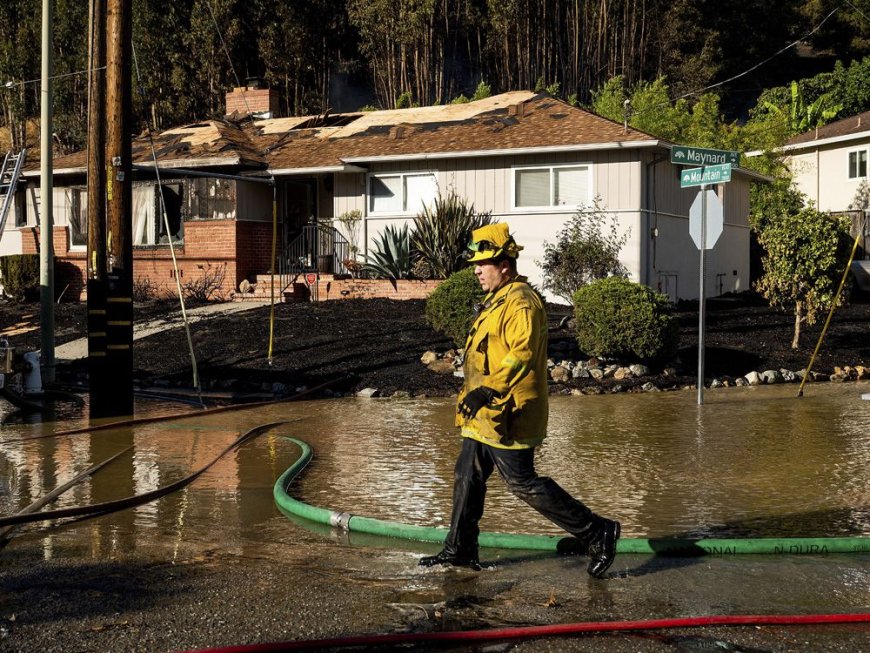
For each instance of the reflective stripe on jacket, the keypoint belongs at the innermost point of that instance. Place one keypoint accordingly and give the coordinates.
(506, 350)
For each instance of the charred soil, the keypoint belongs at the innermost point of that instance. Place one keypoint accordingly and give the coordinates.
(377, 343)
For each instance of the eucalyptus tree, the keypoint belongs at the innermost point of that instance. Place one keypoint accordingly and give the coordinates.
(18, 101)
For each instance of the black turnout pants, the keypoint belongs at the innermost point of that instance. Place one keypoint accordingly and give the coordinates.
(517, 467)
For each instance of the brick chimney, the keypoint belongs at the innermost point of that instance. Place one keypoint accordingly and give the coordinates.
(245, 100)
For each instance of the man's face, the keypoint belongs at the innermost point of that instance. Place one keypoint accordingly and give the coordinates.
(491, 275)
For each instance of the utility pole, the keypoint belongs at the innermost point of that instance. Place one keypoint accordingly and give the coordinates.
(46, 190)
(98, 371)
(119, 236)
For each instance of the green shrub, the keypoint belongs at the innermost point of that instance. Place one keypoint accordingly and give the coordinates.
(20, 276)
(617, 318)
(450, 308)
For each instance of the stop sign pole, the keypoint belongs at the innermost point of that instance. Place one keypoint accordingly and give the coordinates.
(715, 169)
(701, 293)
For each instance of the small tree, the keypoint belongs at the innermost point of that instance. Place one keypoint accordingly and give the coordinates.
(805, 253)
(584, 251)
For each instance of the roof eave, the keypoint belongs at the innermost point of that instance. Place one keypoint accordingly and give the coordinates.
(832, 140)
(284, 172)
(544, 149)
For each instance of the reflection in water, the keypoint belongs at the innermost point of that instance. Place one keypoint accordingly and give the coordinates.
(750, 462)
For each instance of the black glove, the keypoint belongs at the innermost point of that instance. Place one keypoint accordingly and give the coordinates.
(475, 400)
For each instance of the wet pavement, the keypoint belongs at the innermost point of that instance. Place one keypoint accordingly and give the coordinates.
(217, 564)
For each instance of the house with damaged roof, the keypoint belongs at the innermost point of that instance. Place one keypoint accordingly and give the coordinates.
(528, 158)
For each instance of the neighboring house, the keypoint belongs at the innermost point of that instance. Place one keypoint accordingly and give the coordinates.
(528, 158)
(830, 166)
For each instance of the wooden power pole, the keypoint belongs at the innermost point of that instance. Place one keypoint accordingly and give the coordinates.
(119, 251)
(98, 371)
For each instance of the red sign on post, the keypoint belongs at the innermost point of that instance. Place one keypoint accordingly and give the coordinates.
(311, 278)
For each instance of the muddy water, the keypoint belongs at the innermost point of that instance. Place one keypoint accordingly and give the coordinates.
(750, 462)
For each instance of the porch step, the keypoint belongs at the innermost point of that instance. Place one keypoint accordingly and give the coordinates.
(297, 291)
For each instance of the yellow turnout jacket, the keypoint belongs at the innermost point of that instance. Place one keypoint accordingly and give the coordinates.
(506, 350)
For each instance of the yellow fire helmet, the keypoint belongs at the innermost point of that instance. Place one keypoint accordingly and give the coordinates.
(491, 241)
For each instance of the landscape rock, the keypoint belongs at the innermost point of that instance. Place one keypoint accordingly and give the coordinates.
(622, 373)
(441, 366)
(428, 357)
(560, 375)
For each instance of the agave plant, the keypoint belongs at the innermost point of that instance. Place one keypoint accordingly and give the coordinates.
(391, 258)
(441, 234)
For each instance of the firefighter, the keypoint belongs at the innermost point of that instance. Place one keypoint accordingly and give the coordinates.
(502, 412)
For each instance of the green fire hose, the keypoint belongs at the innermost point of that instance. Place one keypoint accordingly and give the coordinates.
(659, 546)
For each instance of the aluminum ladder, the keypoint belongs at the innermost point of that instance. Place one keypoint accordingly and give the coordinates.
(10, 172)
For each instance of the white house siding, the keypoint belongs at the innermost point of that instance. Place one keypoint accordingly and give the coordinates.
(10, 243)
(668, 262)
(674, 259)
(822, 174)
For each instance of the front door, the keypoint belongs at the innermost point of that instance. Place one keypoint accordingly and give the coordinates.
(299, 201)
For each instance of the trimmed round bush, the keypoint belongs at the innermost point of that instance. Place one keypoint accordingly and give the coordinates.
(618, 318)
(450, 308)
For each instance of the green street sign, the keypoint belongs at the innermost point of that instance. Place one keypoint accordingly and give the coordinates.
(700, 156)
(706, 175)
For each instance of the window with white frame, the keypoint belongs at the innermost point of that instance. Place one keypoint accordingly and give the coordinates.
(402, 193)
(547, 187)
(858, 164)
(149, 226)
(77, 211)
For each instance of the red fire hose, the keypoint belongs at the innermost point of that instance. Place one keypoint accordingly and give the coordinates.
(527, 632)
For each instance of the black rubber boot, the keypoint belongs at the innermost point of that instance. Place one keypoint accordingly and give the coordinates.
(450, 560)
(602, 550)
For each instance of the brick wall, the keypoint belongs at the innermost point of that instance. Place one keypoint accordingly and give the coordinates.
(254, 249)
(370, 288)
(209, 252)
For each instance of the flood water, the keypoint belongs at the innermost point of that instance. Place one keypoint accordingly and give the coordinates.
(750, 462)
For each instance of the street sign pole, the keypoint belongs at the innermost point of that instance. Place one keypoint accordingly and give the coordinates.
(701, 294)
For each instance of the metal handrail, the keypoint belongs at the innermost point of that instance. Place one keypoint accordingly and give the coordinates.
(317, 248)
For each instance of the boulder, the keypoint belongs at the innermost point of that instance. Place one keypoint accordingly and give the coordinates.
(639, 370)
(753, 378)
(368, 393)
(771, 376)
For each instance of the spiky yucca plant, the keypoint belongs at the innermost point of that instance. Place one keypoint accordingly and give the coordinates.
(391, 257)
(441, 234)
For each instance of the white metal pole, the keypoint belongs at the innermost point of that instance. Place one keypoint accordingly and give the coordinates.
(46, 224)
(701, 294)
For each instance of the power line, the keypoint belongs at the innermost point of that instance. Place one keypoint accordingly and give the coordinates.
(11, 84)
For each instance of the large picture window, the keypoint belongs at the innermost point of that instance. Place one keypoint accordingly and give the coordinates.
(858, 164)
(547, 187)
(401, 194)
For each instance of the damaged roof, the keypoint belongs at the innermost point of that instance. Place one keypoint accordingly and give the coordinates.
(207, 143)
(515, 122)
(518, 121)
